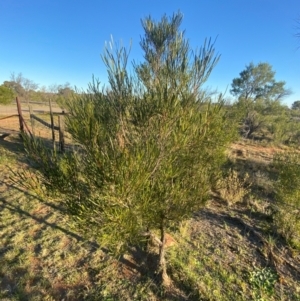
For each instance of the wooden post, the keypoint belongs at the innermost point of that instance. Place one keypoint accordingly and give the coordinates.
(61, 121)
(20, 115)
(32, 120)
(52, 124)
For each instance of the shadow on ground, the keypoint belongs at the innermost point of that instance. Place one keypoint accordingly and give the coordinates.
(12, 143)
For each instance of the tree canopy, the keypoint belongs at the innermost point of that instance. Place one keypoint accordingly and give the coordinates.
(6, 95)
(259, 97)
(296, 105)
(258, 82)
(26, 89)
(151, 146)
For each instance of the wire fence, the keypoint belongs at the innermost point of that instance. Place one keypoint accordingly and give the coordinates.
(40, 120)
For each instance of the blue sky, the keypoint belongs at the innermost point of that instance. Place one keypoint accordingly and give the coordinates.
(59, 41)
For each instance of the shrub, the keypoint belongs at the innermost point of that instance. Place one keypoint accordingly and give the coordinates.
(150, 144)
(287, 188)
(233, 188)
(6, 95)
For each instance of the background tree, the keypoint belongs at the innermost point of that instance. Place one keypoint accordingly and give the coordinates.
(17, 88)
(296, 105)
(6, 95)
(258, 82)
(21, 86)
(28, 90)
(259, 96)
(59, 93)
(151, 148)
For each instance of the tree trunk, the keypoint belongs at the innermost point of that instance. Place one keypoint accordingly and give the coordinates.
(162, 266)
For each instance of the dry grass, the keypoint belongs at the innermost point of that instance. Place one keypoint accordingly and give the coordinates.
(12, 125)
(233, 187)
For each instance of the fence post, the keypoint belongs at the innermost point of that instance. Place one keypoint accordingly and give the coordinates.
(52, 124)
(61, 121)
(32, 120)
(20, 115)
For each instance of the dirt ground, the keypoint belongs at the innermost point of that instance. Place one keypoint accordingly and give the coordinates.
(9, 120)
(6, 110)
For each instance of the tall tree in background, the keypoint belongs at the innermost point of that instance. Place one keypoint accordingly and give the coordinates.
(60, 92)
(258, 94)
(28, 90)
(21, 86)
(258, 82)
(17, 88)
(150, 147)
(296, 105)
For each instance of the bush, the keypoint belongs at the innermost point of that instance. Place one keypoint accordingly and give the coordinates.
(6, 95)
(151, 144)
(287, 188)
(287, 222)
(233, 188)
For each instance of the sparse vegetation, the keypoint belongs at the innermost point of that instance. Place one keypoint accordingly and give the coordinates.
(233, 188)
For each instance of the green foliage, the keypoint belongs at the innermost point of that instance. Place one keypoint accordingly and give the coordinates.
(6, 95)
(169, 61)
(16, 87)
(283, 128)
(63, 92)
(245, 111)
(258, 106)
(296, 105)
(28, 90)
(287, 217)
(263, 282)
(21, 86)
(151, 147)
(257, 81)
